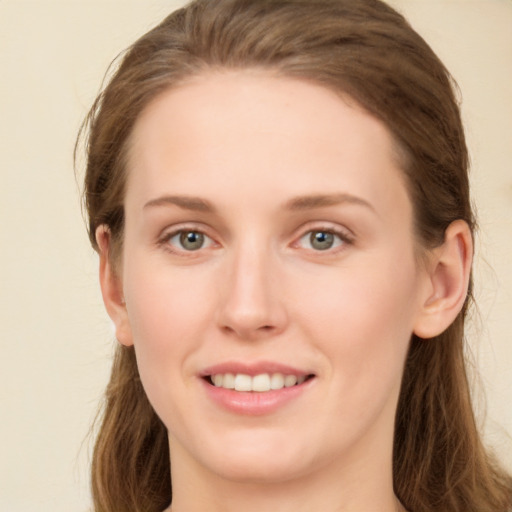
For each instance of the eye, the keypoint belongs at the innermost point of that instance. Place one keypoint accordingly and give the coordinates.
(322, 240)
(189, 240)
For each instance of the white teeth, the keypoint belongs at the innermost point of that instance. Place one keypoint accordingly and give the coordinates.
(277, 381)
(228, 381)
(289, 381)
(243, 382)
(260, 383)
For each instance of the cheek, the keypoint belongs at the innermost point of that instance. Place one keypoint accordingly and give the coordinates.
(164, 304)
(362, 320)
(168, 313)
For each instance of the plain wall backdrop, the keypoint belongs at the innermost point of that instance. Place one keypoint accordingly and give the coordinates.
(55, 337)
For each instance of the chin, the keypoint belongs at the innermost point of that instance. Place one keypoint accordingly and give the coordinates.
(259, 471)
(261, 459)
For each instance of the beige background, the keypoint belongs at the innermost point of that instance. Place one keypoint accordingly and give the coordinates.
(55, 338)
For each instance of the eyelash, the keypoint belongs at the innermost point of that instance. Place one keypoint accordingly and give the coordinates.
(343, 236)
(165, 241)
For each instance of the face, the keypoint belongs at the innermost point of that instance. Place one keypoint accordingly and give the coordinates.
(269, 275)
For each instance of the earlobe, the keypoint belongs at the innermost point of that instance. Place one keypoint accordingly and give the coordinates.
(448, 275)
(112, 288)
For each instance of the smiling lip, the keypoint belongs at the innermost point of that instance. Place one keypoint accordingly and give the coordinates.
(255, 403)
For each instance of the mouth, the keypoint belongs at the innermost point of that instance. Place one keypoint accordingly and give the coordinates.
(260, 383)
(257, 388)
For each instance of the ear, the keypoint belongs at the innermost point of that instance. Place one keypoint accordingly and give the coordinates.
(448, 276)
(112, 288)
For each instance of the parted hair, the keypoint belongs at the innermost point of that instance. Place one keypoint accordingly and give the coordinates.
(367, 51)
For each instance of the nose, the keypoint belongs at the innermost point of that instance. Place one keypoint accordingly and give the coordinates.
(251, 302)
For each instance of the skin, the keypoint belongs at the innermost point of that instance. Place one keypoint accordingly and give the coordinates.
(248, 144)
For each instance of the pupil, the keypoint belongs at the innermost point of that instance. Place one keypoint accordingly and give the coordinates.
(321, 240)
(191, 240)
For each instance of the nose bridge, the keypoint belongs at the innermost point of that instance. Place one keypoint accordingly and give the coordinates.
(250, 304)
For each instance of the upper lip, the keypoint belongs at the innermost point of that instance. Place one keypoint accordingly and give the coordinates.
(252, 369)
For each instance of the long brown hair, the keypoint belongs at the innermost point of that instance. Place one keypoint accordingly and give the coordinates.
(364, 49)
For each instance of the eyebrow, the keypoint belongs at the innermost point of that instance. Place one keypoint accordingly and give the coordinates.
(311, 202)
(185, 202)
(300, 203)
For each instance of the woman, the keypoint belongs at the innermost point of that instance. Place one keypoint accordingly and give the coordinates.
(278, 193)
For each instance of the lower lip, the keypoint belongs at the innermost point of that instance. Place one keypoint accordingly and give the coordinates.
(254, 403)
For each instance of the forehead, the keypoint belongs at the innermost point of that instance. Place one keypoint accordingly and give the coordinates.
(246, 127)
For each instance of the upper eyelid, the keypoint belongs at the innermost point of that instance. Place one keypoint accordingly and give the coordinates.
(310, 226)
(346, 240)
(343, 238)
(327, 226)
(173, 230)
(170, 232)
(164, 242)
